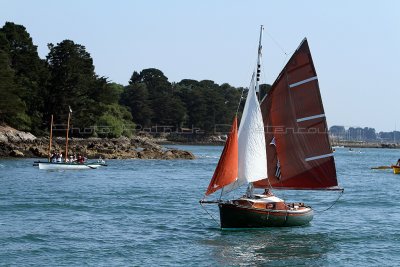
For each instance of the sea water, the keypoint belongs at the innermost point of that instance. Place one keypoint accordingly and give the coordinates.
(146, 213)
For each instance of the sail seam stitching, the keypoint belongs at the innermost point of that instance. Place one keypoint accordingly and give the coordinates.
(303, 81)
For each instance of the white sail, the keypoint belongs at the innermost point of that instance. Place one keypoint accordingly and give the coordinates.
(252, 153)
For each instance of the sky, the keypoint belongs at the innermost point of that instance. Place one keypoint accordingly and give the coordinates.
(355, 44)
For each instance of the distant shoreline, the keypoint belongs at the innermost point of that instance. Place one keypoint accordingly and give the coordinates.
(15, 144)
(364, 144)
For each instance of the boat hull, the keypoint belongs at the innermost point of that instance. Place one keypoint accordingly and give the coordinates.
(236, 216)
(67, 166)
(396, 169)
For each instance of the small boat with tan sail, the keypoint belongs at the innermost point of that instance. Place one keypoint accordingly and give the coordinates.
(67, 164)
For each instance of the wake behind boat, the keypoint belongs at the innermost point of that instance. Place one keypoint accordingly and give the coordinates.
(282, 143)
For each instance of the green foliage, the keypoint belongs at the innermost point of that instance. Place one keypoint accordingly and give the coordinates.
(72, 82)
(106, 92)
(136, 97)
(30, 74)
(209, 105)
(114, 122)
(32, 89)
(264, 90)
(151, 97)
(12, 108)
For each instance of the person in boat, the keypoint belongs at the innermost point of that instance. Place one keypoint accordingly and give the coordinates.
(81, 159)
(268, 192)
(59, 157)
(100, 160)
(53, 158)
(398, 162)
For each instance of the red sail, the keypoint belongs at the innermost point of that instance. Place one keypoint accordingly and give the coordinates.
(299, 154)
(227, 168)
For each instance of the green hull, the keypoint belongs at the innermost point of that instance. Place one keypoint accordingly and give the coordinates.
(235, 216)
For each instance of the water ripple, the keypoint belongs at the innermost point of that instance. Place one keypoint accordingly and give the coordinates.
(146, 212)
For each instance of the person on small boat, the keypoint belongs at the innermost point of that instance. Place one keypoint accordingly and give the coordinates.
(53, 158)
(100, 160)
(81, 159)
(268, 193)
(398, 162)
(59, 157)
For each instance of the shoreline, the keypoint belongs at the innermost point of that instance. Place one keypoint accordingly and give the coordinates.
(364, 144)
(18, 144)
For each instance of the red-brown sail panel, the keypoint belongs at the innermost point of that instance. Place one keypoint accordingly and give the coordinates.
(227, 168)
(298, 150)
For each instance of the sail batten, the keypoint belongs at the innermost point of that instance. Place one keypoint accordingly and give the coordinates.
(319, 157)
(303, 81)
(311, 117)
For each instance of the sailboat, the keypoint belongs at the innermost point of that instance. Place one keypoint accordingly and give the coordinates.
(49, 165)
(282, 143)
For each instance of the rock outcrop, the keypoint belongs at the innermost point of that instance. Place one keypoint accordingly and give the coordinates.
(14, 143)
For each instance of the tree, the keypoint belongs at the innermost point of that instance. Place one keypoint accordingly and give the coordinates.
(157, 83)
(105, 92)
(264, 90)
(72, 82)
(136, 97)
(114, 122)
(12, 108)
(30, 73)
(167, 108)
(209, 106)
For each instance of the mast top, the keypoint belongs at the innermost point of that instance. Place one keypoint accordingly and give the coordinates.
(259, 42)
(259, 62)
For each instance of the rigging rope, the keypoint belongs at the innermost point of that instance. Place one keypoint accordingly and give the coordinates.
(276, 43)
(209, 214)
(241, 95)
(321, 211)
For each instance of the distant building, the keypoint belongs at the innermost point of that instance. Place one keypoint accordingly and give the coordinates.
(353, 133)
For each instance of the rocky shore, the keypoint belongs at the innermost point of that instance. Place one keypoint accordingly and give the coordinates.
(14, 143)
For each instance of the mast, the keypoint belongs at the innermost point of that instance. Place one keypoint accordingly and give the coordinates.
(51, 135)
(66, 142)
(257, 86)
